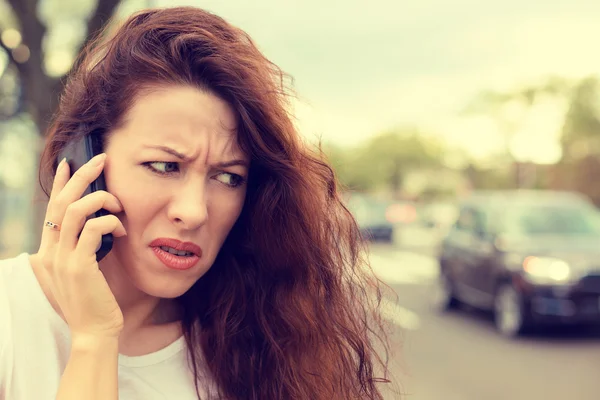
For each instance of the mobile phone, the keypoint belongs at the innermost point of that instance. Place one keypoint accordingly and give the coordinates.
(78, 152)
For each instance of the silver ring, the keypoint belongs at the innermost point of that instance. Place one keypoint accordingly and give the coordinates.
(52, 226)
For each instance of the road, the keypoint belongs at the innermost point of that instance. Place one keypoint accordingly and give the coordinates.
(458, 356)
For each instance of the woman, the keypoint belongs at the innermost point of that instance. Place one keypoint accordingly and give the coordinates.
(235, 271)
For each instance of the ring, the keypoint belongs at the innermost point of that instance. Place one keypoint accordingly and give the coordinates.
(52, 225)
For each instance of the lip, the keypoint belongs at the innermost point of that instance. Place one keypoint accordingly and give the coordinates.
(172, 261)
(177, 245)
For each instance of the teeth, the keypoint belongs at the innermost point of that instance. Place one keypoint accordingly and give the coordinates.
(177, 252)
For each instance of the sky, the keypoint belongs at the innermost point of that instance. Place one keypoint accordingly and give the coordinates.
(361, 67)
(364, 67)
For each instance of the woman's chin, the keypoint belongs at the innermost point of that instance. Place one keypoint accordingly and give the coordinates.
(158, 284)
(148, 274)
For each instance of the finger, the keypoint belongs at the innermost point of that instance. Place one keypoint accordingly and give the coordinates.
(93, 231)
(77, 213)
(60, 178)
(76, 186)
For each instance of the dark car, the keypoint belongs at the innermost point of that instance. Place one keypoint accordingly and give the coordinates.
(531, 257)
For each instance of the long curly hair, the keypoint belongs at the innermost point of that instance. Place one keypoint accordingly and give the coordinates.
(290, 308)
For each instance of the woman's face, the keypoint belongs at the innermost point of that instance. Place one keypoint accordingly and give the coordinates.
(177, 169)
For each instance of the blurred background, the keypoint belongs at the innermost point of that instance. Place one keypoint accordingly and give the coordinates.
(419, 106)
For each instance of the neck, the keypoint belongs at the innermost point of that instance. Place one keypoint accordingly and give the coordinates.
(139, 309)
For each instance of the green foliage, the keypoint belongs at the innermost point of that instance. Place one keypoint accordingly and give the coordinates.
(489, 101)
(581, 130)
(580, 166)
(489, 178)
(383, 161)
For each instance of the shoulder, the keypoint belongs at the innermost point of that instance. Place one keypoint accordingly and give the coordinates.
(12, 272)
(15, 275)
(10, 267)
(20, 260)
(19, 285)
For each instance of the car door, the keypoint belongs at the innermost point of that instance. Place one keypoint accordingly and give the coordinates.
(482, 254)
(471, 255)
(460, 263)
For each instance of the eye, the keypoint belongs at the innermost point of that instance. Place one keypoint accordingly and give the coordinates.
(231, 180)
(162, 167)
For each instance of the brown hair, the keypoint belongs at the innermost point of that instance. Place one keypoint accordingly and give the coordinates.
(288, 310)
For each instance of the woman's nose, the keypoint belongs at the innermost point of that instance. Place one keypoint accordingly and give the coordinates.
(188, 208)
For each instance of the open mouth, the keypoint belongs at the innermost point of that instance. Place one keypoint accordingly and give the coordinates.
(180, 253)
(176, 254)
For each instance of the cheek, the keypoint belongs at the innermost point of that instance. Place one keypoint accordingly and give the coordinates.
(138, 196)
(225, 210)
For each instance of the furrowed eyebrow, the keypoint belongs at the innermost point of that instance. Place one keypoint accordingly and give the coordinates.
(183, 157)
(231, 163)
(170, 151)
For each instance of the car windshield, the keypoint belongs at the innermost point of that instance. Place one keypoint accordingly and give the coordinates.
(553, 220)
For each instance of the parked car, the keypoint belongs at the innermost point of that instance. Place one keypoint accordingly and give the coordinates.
(530, 257)
(377, 218)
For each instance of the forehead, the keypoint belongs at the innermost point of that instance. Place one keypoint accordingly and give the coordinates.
(181, 116)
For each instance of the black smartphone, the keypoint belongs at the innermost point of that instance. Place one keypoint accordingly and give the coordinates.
(78, 152)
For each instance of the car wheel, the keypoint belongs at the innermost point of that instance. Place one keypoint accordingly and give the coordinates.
(443, 294)
(509, 315)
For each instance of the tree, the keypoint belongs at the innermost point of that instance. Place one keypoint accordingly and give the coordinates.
(393, 154)
(509, 110)
(580, 164)
(581, 130)
(348, 166)
(39, 91)
(384, 161)
(487, 178)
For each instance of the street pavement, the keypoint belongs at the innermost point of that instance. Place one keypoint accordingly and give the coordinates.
(459, 356)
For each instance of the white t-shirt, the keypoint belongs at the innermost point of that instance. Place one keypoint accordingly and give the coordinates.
(35, 347)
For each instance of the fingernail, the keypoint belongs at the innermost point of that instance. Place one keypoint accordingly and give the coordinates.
(100, 159)
(61, 165)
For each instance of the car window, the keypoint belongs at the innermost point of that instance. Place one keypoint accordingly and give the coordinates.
(552, 220)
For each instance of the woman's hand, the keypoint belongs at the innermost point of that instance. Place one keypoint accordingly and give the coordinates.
(79, 287)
